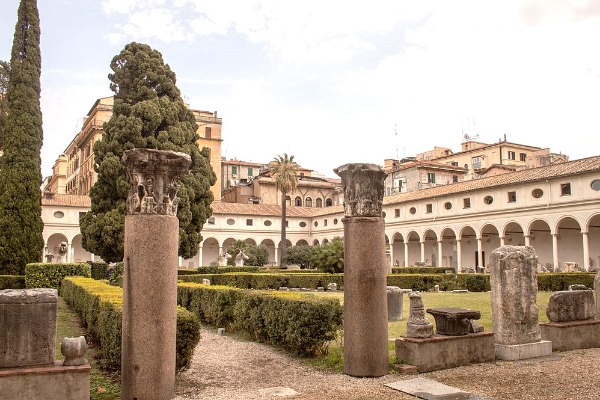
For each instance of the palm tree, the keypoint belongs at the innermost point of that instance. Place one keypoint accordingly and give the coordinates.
(285, 172)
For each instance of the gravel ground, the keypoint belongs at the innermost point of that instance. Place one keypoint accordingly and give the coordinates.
(226, 367)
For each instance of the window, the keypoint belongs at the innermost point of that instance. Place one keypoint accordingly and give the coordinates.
(383, 214)
(595, 184)
(249, 222)
(288, 200)
(335, 221)
(250, 172)
(211, 221)
(430, 177)
(447, 205)
(397, 212)
(324, 222)
(59, 214)
(488, 200)
(208, 132)
(308, 202)
(429, 208)
(512, 197)
(287, 224)
(466, 167)
(302, 224)
(234, 170)
(511, 155)
(328, 203)
(230, 221)
(267, 223)
(467, 202)
(476, 162)
(319, 203)
(316, 223)
(454, 163)
(413, 210)
(537, 193)
(454, 178)
(565, 189)
(523, 157)
(298, 201)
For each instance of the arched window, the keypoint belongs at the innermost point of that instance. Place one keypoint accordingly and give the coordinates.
(308, 202)
(319, 202)
(328, 203)
(288, 201)
(298, 201)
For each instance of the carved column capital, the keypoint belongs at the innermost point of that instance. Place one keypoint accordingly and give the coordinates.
(154, 180)
(363, 186)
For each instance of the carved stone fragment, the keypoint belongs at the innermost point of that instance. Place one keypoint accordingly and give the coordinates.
(154, 180)
(571, 305)
(418, 326)
(363, 189)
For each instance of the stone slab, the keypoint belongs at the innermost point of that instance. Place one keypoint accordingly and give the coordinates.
(512, 352)
(279, 391)
(46, 383)
(429, 389)
(442, 352)
(572, 335)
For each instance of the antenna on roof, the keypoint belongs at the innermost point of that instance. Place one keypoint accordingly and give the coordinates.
(396, 134)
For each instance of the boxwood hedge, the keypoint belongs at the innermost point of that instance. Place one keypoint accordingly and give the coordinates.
(50, 275)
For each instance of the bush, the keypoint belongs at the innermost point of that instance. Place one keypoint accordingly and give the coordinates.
(223, 270)
(115, 277)
(329, 257)
(561, 280)
(420, 270)
(300, 323)
(268, 281)
(100, 307)
(46, 275)
(99, 270)
(299, 255)
(477, 283)
(12, 282)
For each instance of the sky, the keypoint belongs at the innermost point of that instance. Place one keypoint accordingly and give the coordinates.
(334, 82)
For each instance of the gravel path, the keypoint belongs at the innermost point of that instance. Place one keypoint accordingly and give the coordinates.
(226, 367)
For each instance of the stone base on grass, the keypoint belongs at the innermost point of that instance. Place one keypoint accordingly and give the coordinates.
(572, 335)
(513, 352)
(46, 383)
(441, 352)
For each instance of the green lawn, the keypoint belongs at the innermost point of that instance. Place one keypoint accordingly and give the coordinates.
(480, 301)
(103, 385)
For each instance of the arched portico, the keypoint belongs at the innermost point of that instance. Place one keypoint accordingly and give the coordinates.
(568, 245)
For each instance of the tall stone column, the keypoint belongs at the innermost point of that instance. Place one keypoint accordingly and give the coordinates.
(150, 274)
(365, 281)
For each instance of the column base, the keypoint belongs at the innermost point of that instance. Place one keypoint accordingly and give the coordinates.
(512, 352)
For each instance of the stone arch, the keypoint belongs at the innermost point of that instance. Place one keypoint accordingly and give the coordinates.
(315, 242)
(397, 250)
(210, 251)
(325, 241)
(540, 238)
(301, 242)
(490, 241)
(308, 202)
(79, 253)
(319, 202)
(298, 201)
(449, 248)
(513, 234)
(569, 243)
(468, 249)
(430, 248)
(270, 245)
(413, 242)
(52, 248)
(592, 226)
(250, 241)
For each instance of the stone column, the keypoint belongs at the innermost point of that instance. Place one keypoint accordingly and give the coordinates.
(479, 256)
(406, 252)
(150, 273)
(423, 251)
(527, 240)
(69, 255)
(459, 267)
(502, 241)
(440, 255)
(555, 265)
(201, 255)
(365, 283)
(586, 251)
(513, 279)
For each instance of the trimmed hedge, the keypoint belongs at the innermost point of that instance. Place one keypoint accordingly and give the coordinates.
(561, 280)
(12, 282)
(50, 275)
(300, 323)
(420, 270)
(267, 281)
(220, 270)
(99, 270)
(100, 307)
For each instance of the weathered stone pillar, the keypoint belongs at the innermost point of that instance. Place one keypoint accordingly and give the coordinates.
(365, 280)
(150, 273)
(513, 279)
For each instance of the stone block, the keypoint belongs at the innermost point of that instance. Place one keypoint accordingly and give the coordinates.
(394, 303)
(28, 327)
(442, 352)
(513, 352)
(572, 335)
(46, 383)
(571, 305)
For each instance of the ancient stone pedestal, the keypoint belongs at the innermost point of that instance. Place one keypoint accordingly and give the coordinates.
(150, 274)
(441, 352)
(417, 326)
(27, 327)
(394, 303)
(453, 321)
(513, 280)
(572, 335)
(365, 270)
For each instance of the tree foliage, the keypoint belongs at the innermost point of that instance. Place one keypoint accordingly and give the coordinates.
(4, 77)
(258, 255)
(148, 112)
(300, 255)
(329, 257)
(285, 172)
(21, 225)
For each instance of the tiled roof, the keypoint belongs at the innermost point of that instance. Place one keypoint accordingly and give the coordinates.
(511, 178)
(260, 209)
(67, 200)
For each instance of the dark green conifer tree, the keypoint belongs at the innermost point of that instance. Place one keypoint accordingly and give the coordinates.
(4, 77)
(21, 226)
(148, 112)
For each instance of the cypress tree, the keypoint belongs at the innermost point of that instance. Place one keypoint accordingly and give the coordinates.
(4, 77)
(21, 226)
(148, 112)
